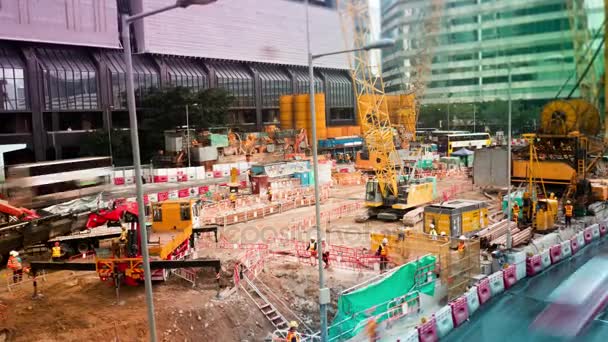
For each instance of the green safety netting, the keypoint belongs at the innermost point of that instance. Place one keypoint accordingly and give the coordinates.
(377, 298)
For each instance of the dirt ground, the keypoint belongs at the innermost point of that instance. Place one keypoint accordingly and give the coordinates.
(77, 306)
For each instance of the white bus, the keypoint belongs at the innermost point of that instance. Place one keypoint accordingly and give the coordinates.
(454, 142)
(42, 184)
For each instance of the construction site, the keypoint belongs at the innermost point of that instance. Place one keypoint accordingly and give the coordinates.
(373, 229)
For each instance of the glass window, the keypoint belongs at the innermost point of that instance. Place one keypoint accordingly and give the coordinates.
(187, 72)
(302, 83)
(184, 211)
(145, 77)
(70, 79)
(236, 79)
(274, 82)
(157, 213)
(12, 81)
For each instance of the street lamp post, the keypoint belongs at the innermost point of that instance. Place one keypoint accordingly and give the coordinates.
(323, 291)
(127, 20)
(509, 237)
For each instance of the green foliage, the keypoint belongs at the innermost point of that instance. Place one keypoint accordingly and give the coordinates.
(490, 116)
(160, 110)
(96, 144)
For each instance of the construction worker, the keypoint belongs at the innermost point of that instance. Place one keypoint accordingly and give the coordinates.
(382, 252)
(552, 196)
(14, 263)
(122, 240)
(444, 236)
(292, 333)
(269, 193)
(433, 232)
(461, 243)
(568, 212)
(233, 199)
(312, 247)
(325, 256)
(56, 252)
(515, 212)
(372, 330)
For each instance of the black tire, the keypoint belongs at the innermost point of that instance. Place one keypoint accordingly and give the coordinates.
(83, 247)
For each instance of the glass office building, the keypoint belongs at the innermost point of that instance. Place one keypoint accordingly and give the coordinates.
(475, 43)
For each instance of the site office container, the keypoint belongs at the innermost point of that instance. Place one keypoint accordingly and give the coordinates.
(456, 217)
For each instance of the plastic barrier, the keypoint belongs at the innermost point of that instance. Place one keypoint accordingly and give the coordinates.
(603, 228)
(428, 332)
(534, 265)
(588, 234)
(566, 249)
(595, 231)
(444, 322)
(410, 336)
(483, 290)
(519, 260)
(580, 237)
(460, 311)
(472, 300)
(545, 258)
(574, 244)
(497, 284)
(509, 277)
(556, 253)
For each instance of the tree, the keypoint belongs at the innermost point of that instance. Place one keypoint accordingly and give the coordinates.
(160, 110)
(97, 144)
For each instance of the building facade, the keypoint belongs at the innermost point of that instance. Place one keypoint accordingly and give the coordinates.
(478, 42)
(62, 73)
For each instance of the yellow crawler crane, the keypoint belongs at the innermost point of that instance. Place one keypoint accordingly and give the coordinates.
(386, 196)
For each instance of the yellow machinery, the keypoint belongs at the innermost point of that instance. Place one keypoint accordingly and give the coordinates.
(385, 196)
(456, 217)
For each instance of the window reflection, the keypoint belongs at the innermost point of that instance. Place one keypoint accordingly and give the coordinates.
(12, 81)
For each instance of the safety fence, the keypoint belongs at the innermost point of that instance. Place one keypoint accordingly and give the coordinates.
(327, 216)
(452, 192)
(252, 207)
(515, 267)
(18, 282)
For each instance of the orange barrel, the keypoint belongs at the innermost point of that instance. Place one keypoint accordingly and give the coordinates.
(301, 111)
(286, 115)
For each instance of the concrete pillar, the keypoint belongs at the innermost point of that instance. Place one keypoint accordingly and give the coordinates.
(35, 86)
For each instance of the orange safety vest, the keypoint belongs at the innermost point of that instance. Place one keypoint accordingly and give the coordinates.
(14, 263)
(291, 335)
(569, 210)
(383, 250)
(516, 210)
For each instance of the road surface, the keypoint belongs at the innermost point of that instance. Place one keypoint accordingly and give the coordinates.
(507, 318)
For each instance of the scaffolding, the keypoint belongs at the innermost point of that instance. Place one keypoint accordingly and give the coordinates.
(455, 269)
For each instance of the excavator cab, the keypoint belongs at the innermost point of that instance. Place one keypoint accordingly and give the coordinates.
(373, 196)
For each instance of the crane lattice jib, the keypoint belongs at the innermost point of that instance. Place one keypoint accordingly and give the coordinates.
(369, 89)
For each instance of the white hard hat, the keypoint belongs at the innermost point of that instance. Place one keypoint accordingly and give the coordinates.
(442, 233)
(568, 201)
(312, 237)
(293, 324)
(385, 241)
(462, 238)
(14, 253)
(432, 226)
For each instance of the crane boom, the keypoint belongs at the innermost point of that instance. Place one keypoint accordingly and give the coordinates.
(369, 88)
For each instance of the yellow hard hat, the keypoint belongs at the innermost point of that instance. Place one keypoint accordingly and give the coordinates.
(293, 324)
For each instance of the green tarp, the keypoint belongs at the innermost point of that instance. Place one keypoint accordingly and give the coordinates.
(375, 298)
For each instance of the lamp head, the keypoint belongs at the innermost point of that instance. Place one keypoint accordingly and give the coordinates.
(380, 44)
(186, 3)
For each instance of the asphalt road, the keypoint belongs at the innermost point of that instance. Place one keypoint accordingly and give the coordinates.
(507, 317)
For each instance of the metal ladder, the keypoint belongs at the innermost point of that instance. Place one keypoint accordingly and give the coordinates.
(185, 274)
(270, 311)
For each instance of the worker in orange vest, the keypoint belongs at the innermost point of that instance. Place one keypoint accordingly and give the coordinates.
(372, 330)
(292, 333)
(312, 246)
(382, 252)
(14, 263)
(568, 212)
(515, 212)
(461, 243)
